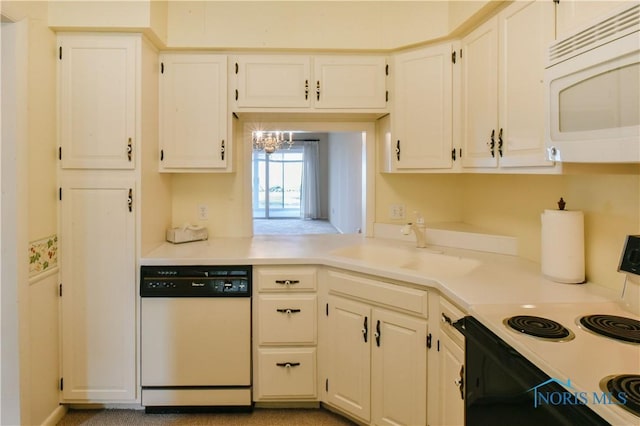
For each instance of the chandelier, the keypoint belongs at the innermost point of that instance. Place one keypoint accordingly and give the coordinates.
(269, 142)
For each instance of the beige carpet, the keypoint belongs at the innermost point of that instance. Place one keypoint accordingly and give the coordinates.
(259, 417)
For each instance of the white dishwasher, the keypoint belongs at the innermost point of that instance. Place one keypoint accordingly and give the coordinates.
(195, 337)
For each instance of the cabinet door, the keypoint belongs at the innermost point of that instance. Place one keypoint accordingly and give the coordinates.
(349, 357)
(451, 376)
(399, 369)
(480, 96)
(98, 273)
(422, 115)
(97, 101)
(193, 108)
(273, 81)
(349, 82)
(526, 30)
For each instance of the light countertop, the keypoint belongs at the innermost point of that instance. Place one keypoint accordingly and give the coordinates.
(489, 286)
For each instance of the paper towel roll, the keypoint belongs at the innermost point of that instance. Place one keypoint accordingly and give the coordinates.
(563, 246)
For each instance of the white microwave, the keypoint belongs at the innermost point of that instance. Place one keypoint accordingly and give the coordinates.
(592, 86)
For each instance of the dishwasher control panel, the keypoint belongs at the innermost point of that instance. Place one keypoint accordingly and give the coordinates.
(195, 281)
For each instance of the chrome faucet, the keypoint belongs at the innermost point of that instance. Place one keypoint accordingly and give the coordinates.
(418, 227)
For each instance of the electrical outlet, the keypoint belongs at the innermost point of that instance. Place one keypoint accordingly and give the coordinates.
(203, 212)
(396, 211)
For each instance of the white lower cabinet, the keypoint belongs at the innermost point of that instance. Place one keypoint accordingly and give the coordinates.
(285, 334)
(451, 369)
(376, 355)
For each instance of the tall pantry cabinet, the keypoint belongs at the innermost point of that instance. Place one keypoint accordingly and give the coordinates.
(99, 125)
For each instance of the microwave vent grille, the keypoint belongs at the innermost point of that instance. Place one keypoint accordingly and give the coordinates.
(616, 25)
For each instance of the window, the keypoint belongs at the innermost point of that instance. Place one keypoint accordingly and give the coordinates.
(277, 180)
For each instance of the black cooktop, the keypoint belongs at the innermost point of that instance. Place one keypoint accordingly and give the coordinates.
(540, 327)
(627, 385)
(615, 327)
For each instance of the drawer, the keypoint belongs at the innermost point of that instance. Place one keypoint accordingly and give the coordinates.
(448, 315)
(285, 278)
(396, 296)
(286, 373)
(287, 318)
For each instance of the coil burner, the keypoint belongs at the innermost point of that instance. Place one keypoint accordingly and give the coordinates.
(627, 384)
(612, 326)
(542, 328)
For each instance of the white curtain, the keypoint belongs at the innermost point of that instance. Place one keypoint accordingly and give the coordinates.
(310, 198)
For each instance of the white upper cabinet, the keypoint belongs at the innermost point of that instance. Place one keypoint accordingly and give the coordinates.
(302, 82)
(350, 82)
(503, 88)
(573, 14)
(480, 95)
(273, 81)
(193, 113)
(97, 100)
(422, 109)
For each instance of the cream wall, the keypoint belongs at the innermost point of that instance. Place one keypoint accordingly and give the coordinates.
(609, 196)
(42, 115)
(36, 298)
(355, 25)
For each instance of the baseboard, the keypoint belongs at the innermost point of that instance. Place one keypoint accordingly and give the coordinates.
(55, 416)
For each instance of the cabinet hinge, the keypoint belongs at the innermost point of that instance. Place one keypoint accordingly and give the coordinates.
(60, 194)
(438, 345)
(59, 153)
(236, 68)
(130, 200)
(386, 69)
(429, 341)
(222, 150)
(236, 94)
(161, 67)
(386, 96)
(61, 383)
(326, 385)
(161, 154)
(460, 153)
(327, 309)
(453, 57)
(60, 290)
(60, 52)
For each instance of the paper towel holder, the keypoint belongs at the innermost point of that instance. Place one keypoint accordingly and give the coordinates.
(561, 204)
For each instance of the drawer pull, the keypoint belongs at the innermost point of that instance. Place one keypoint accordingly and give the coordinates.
(446, 319)
(287, 282)
(288, 311)
(287, 364)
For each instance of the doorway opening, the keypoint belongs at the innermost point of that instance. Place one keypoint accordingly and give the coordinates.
(317, 185)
